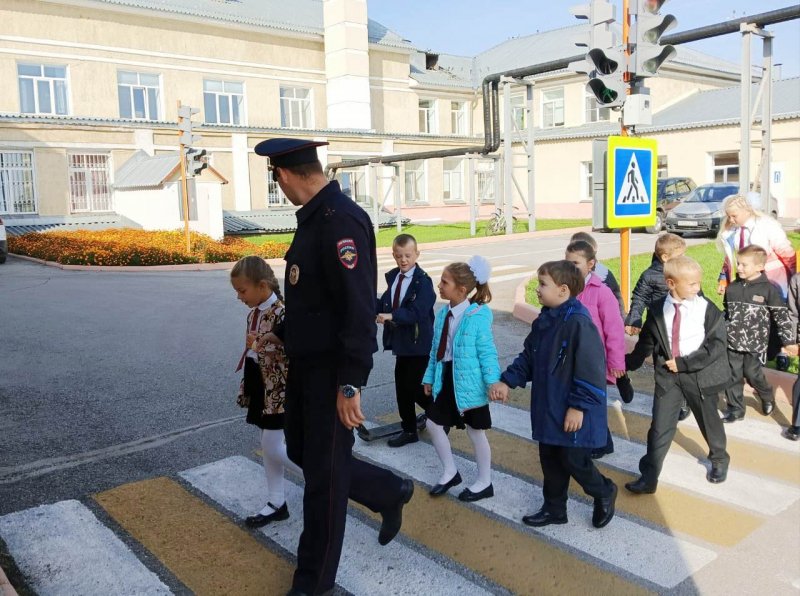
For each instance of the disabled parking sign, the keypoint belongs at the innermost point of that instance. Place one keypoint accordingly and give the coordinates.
(631, 182)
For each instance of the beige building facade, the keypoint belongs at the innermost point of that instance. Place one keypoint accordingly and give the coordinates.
(90, 82)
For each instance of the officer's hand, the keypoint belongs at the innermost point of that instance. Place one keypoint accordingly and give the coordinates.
(349, 409)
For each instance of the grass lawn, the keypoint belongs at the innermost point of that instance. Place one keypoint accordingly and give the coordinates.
(439, 232)
(707, 255)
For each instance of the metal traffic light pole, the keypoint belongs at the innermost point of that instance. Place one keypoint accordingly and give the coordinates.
(625, 233)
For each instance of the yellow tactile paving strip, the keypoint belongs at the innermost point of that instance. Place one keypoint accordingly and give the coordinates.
(518, 561)
(204, 549)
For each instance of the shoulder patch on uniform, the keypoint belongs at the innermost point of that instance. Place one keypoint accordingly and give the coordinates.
(346, 250)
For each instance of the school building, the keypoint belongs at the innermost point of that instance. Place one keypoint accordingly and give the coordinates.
(94, 84)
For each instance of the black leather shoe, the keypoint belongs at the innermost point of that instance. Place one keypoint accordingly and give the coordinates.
(598, 453)
(684, 413)
(393, 518)
(259, 520)
(625, 389)
(792, 433)
(440, 489)
(403, 438)
(544, 518)
(640, 487)
(732, 416)
(470, 497)
(767, 407)
(604, 509)
(717, 474)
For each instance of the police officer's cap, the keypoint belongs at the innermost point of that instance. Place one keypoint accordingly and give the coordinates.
(284, 153)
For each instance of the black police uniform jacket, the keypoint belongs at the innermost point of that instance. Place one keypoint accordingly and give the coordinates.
(330, 286)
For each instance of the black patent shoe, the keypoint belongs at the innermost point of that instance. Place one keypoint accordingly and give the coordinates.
(625, 389)
(792, 433)
(717, 474)
(259, 520)
(767, 407)
(403, 438)
(604, 509)
(440, 489)
(732, 416)
(544, 518)
(641, 487)
(393, 518)
(470, 497)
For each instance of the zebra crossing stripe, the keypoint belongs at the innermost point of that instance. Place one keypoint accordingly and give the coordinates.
(649, 554)
(741, 489)
(63, 549)
(204, 549)
(237, 483)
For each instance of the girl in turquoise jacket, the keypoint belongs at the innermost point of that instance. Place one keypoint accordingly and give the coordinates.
(461, 368)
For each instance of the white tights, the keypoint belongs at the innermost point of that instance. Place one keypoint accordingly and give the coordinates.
(483, 455)
(273, 453)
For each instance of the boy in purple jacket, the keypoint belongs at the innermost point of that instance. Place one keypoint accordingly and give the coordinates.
(561, 357)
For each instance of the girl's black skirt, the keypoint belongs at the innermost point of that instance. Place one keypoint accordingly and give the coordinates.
(444, 411)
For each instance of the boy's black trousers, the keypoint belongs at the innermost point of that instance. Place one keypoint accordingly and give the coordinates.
(747, 366)
(408, 373)
(559, 464)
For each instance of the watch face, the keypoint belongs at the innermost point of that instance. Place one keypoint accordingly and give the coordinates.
(348, 391)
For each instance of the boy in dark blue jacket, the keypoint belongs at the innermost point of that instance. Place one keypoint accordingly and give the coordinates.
(563, 357)
(406, 312)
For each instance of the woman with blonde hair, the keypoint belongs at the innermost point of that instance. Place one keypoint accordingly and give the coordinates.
(744, 225)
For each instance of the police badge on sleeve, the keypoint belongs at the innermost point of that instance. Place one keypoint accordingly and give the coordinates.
(348, 255)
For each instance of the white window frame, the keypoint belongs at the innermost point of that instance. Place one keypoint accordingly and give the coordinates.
(726, 168)
(587, 180)
(275, 197)
(428, 120)
(305, 111)
(130, 89)
(94, 200)
(551, 106)
(227, 96)
(422, 175)
(12, 176)
(459, 118)
(39, 80)
(593, 112)
(453, 177)
(484, 178)
(519, 112)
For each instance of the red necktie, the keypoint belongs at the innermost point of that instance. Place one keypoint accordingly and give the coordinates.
(741, 237)
(443, 340)
(252, 329)
(676, 332)
(396, 299)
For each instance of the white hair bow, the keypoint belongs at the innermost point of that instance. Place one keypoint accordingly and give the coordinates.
(480, 268)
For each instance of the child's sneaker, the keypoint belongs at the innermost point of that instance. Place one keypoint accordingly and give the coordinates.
(625, 388)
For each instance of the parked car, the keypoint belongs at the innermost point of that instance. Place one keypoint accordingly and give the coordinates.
(701, 211)
(670, 193)
(3, 242)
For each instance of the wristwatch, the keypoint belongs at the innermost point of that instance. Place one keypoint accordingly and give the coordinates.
(349, 391)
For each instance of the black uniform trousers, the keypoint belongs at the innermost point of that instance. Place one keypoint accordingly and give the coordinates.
(664, 424)
(796, 402)
(408, 373)
(747, 366)
(559, 464)
(318, 442)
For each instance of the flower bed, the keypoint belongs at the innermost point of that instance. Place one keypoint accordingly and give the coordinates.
(119, 247)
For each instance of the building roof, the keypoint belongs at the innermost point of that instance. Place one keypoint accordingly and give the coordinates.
(280, 220)
(297, 16)
(538, 48)
(151, 171)
(17, 225)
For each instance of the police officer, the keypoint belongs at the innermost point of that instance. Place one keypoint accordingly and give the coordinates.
(330, 336)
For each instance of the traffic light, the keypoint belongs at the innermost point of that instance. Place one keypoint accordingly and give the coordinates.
(604, 63)
(196, 161)
(185, 125)
(647, 53)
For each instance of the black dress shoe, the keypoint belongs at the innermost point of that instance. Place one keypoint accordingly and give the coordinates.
(440, 489)
(767, 407)
(403, 438)
(604, 508)
(684, 413)
(598, 453)
(470, 497)
(544, 518)
(259, 520)
(732, 416)
(717, 474)
(792, 433)
(641, 487)
(393, 518)
(625, 388)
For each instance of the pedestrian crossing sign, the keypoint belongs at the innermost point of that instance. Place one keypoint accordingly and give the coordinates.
(631, 171)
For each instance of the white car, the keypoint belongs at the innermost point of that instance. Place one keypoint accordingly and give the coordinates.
(3, 242)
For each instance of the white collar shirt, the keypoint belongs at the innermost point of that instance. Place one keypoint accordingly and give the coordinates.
(693, 322)
(458, 314)
(261, 308)
(405, 279)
